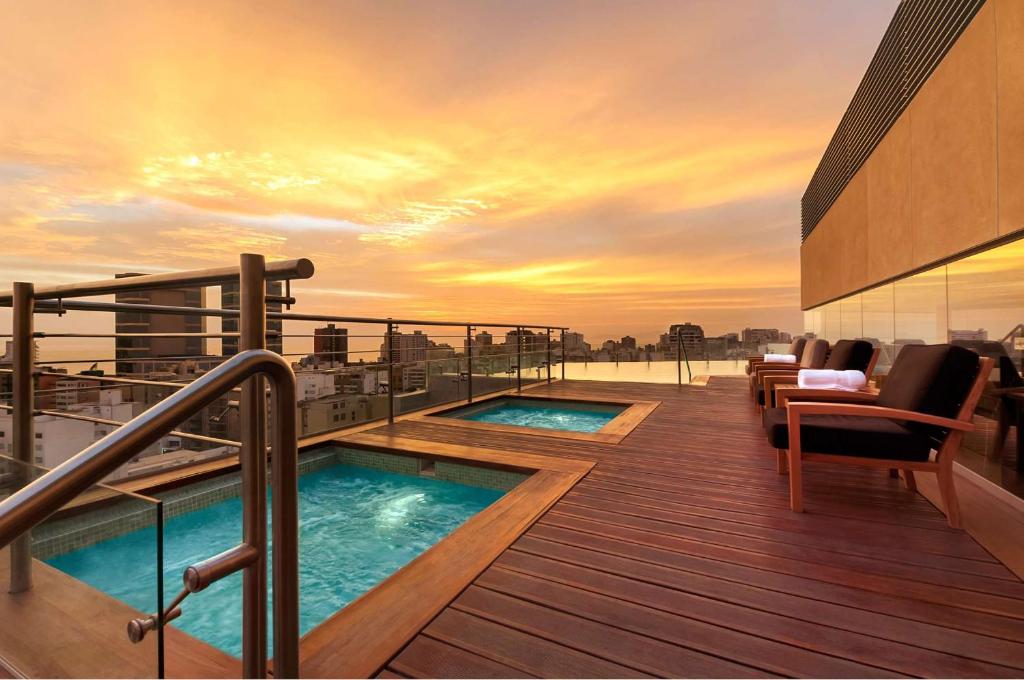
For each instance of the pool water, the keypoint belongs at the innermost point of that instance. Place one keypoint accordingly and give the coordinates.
(555, 415)
(357, 526)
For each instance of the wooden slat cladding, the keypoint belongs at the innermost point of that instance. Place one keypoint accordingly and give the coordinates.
(919, 36)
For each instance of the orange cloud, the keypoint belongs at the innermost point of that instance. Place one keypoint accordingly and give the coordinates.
(444, 158)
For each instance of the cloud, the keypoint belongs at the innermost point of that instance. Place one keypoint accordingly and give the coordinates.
(609, 164)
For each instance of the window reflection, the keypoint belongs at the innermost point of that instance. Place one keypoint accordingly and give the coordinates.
(878, 312)
(851, 322)
(920, 302)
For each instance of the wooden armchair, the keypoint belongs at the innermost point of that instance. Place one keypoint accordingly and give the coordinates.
(796, 348)
(814, 356)
(926, 405)
(852, 356)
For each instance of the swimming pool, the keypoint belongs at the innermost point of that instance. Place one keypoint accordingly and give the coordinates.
(357, 526)
(573, 416)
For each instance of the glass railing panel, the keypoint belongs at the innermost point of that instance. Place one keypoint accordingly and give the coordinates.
(341, 397)
(97, 564)
(493, 370)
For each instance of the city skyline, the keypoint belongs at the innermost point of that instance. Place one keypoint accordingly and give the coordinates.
(418, 168)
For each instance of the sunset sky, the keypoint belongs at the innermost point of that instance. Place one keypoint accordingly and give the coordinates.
(615, 167)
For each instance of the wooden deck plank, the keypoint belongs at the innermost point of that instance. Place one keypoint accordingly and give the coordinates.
(678, 556)
(528, 653)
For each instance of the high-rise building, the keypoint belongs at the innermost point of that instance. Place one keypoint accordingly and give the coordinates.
(406, 347)
(691, 334)
(330, 344)
(574, 343)
(141, 355)
(481, 341)
(229, 300)
(628, 342)
(760, 336)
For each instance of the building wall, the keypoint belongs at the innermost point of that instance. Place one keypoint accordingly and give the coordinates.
(947, 177)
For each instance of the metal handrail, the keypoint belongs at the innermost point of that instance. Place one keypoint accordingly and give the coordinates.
(274, 271)
(50, 305)
(47, 494)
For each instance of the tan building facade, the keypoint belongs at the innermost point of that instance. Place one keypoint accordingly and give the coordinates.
(946, 180)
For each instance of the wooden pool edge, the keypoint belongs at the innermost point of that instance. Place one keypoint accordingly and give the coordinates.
(359, 640)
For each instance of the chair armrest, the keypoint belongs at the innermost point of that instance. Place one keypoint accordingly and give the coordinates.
(785, 394)
(774, 380)
(806, 408)
(759, 369)
(761, 376)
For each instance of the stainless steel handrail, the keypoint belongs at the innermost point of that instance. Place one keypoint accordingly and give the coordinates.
(51, 305)
(47, 494)
(282, 269)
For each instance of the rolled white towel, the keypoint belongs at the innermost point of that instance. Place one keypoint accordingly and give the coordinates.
(780, 358)
(825, 379)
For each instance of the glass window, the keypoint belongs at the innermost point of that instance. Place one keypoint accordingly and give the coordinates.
(986, 303)
(851, 321)
(833, 322)
(879, 324)
(813, 322)
(920, 303)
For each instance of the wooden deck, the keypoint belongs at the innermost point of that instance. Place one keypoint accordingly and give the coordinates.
(678, 556)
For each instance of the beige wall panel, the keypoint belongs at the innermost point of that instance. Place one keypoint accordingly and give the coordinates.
(852, 252)
(953, 147)
(889, 233)
(1009, 22)
(812, 264)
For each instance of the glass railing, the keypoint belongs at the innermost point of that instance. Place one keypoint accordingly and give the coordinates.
(87, 584)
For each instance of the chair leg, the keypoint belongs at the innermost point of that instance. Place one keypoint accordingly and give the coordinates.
(908, 479)
(949, 500)
(781, 464)
(796, 491)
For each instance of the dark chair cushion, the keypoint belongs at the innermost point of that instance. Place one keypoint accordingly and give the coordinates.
(933, 379)
(815, 353)
(850, 355)
(849, 436)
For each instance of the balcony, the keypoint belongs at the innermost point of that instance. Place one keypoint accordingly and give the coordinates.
(666, 548)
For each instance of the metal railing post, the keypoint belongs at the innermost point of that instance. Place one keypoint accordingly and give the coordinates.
(548, 347)
(563, 354)
(679, 357)
(469, 364)
(24, 403)
(391, 372)
(253, 459)
(519, 359)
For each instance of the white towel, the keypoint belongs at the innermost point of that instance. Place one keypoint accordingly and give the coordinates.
(822, 379)
(780, 358)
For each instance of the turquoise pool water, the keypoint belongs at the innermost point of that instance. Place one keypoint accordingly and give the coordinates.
(357, 526)
(580, 417)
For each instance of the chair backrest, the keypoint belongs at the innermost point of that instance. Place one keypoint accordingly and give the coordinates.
(796, 348)
(850, 355)
(815, 354)
(933, 379)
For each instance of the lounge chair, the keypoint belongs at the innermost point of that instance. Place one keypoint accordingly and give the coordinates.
(846, 355)
(925, 405)
(796, 348)
(815, 355)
